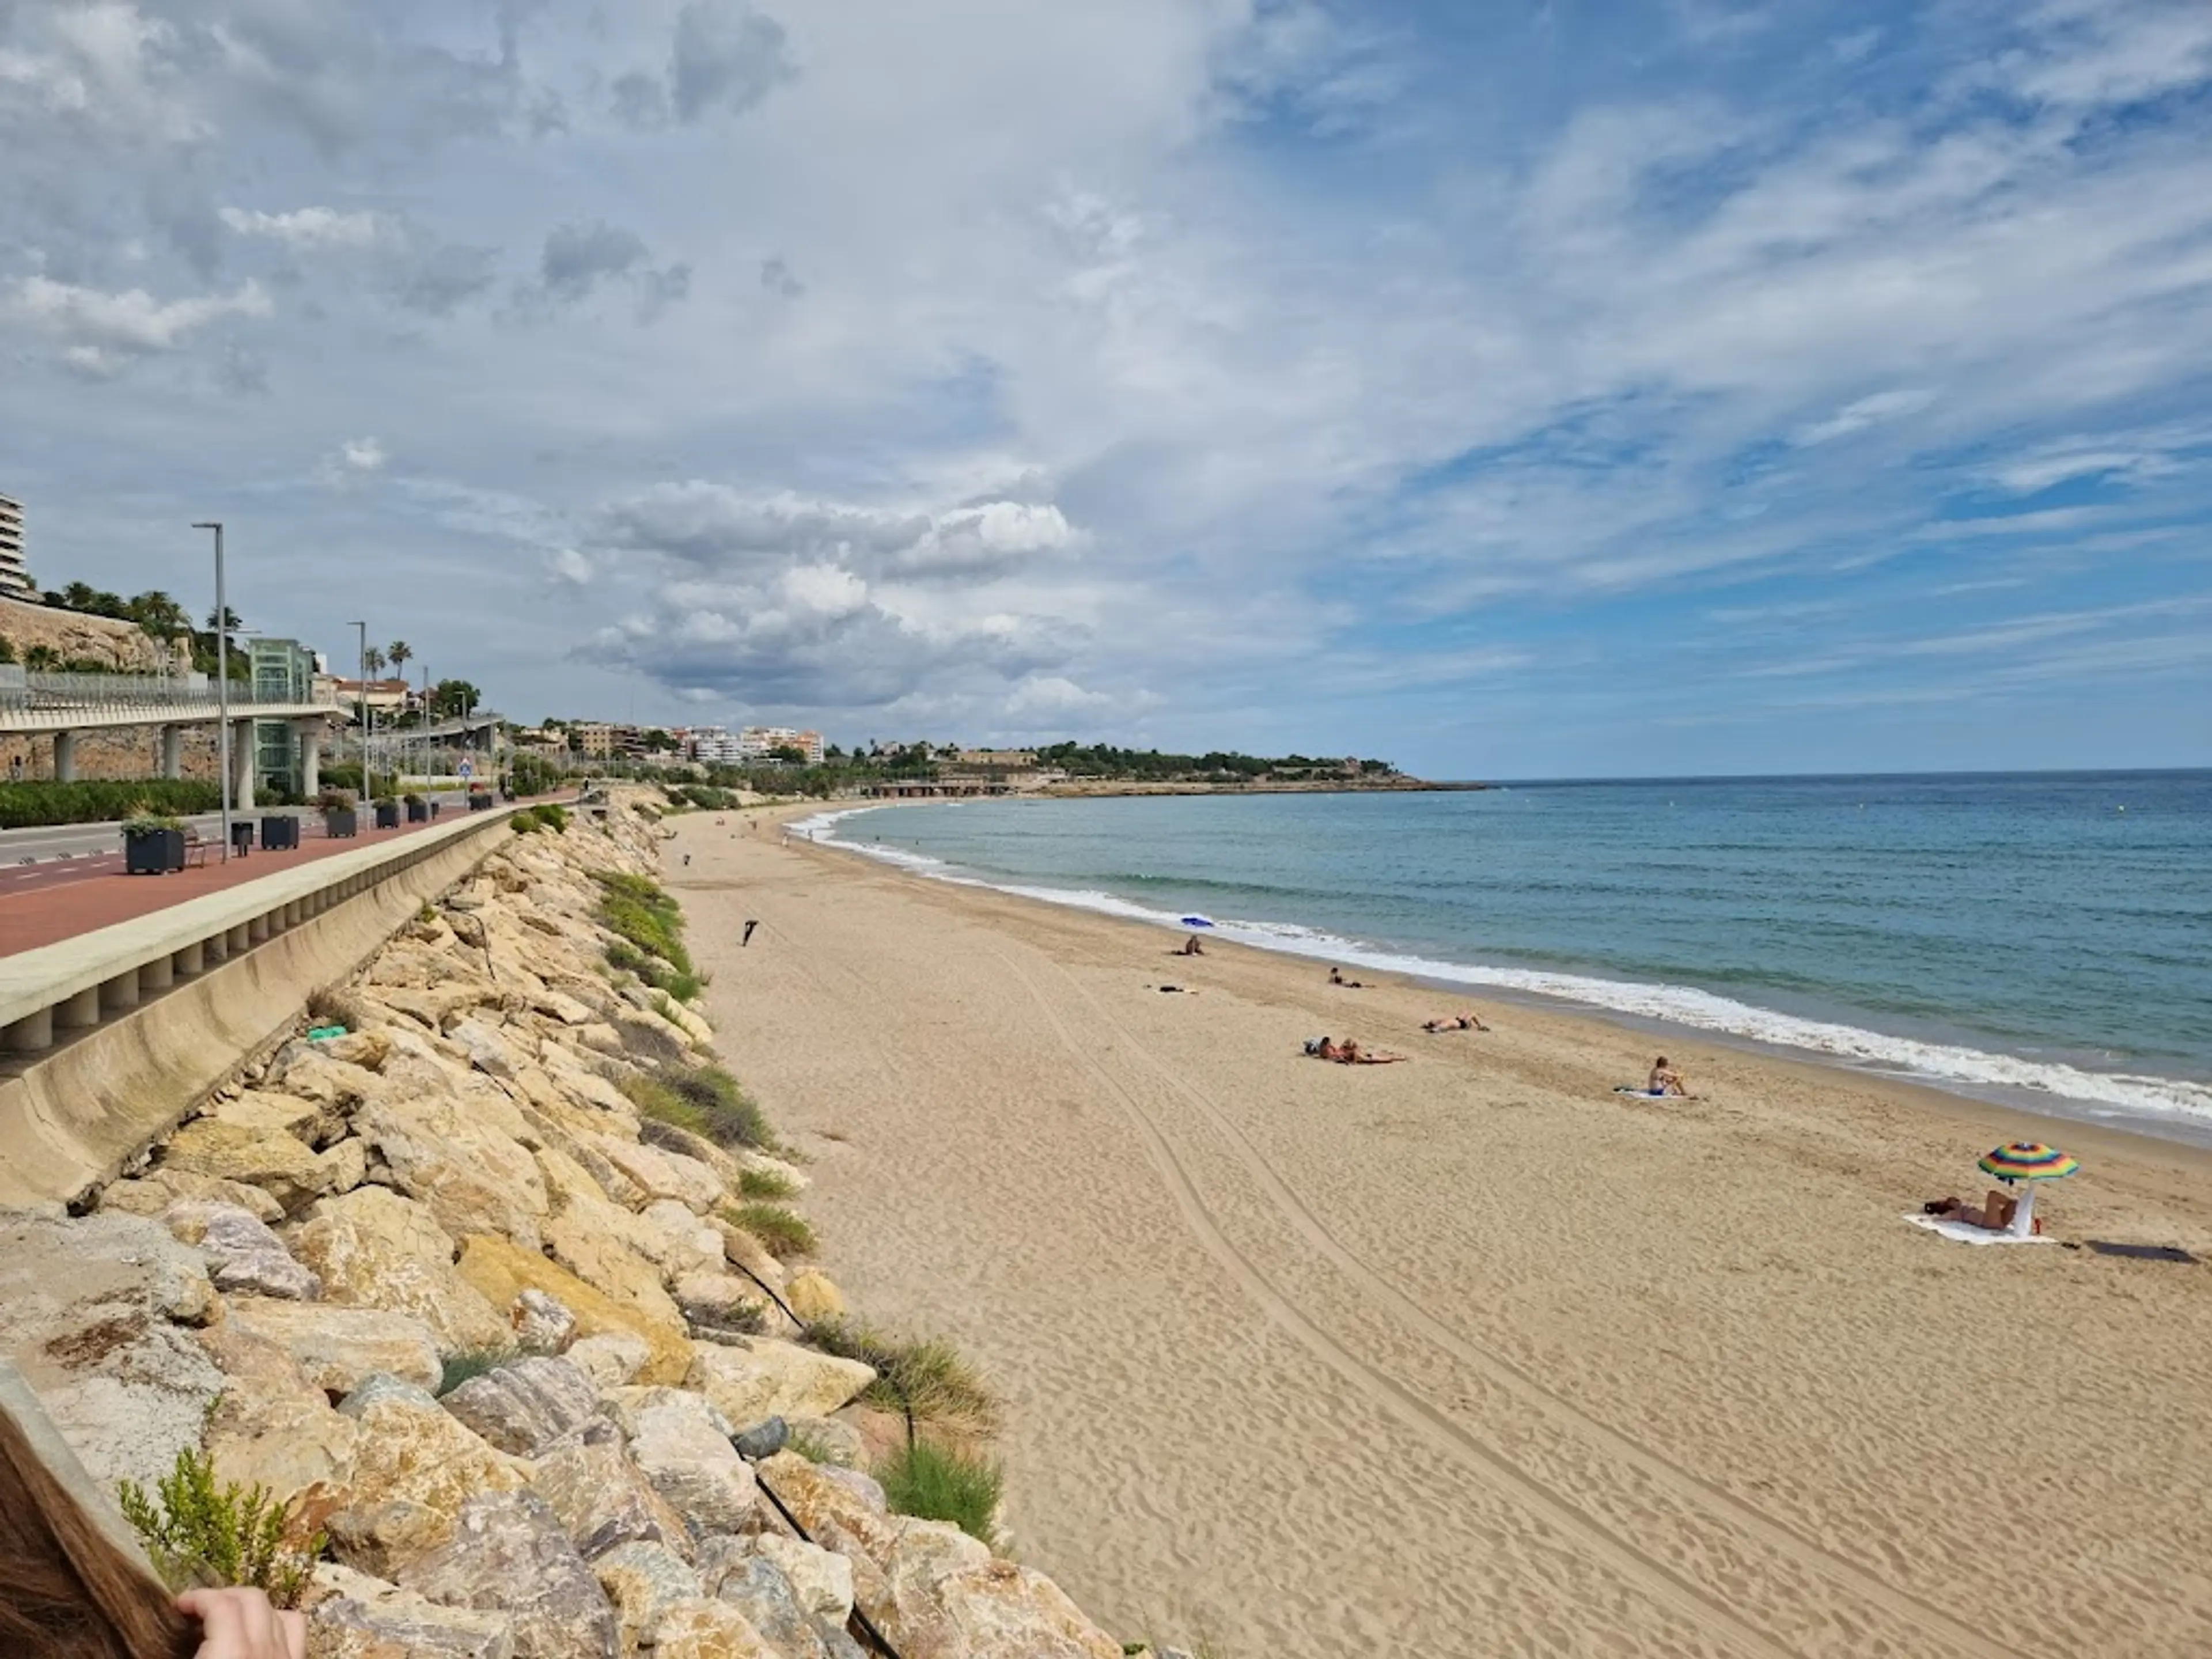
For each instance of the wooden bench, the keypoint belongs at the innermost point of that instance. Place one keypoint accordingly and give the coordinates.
(196, 847)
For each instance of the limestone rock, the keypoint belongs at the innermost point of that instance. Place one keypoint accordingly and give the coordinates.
(446, 1154)
(821, 1579)
(664, 1175)
(88, 1314)
(272, 1426)
(526, 1404)
(678, 1240)
(558, 1006)
(723, 1302)
(364, 1618)
(345, 1165)
(376, 1249)
(611, 1360)
(508, 1553)
(829, 1440)
(999, 1610)
(761, 1376)
(311, 1073)
(151, 1195)
(749, 1255)
(543, 1324)
(437, 1005)
(750, 1581)
(415, 1468)
(712, 1630)
(643, 1581)
(368, 1049)
(682, 1445)
(489, 1051)
(602, 1498)
(242, 1254)
(286, 1168)
(313, 1121)
(340, 1348)
(500, 1270)
(813, 1296)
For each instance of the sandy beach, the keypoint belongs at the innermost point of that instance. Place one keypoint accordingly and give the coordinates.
(1469, 1356)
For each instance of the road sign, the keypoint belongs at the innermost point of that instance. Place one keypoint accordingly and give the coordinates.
(468, 768)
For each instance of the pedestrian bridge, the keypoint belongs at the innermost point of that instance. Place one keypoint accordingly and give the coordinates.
(38, 704)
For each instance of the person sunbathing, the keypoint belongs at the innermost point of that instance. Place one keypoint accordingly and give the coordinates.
(1469, 1021)
(1191, 947)
(1995, 1212)
(1348, 1053)
(1336, 977)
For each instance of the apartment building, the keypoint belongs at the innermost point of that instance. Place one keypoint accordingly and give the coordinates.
(14, 574)
(758, 741)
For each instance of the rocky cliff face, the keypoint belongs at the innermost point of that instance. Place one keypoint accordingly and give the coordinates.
(124, 647)
(288, 1280)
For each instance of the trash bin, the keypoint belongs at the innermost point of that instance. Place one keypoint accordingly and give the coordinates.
(242, 837)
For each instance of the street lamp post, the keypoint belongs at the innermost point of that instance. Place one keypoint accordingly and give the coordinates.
(222, 681)
(361, 668)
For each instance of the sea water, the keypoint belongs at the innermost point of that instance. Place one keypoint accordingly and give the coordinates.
(2044, 938)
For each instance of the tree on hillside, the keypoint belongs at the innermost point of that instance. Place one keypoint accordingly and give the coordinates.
(372, 661)
(451, 698)
(399, 652)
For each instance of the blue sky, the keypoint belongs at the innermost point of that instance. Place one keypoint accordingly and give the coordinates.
(1510, 389)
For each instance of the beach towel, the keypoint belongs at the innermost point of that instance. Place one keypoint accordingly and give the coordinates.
(1965, 1232)
(1647, 1094)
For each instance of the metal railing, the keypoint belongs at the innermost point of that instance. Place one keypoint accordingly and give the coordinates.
(25, 690)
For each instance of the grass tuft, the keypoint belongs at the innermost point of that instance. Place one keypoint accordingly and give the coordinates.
(926, 1377)
(331, 1005)
(772, 1185)
(782, 1233)
(200, 1534)
(704, 1099)
(939, 1483)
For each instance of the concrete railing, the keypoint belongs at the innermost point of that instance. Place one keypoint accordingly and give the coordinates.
(110, 1038)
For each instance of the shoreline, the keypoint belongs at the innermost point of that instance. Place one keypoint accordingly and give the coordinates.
(1303, 1359)
(2174, 1126)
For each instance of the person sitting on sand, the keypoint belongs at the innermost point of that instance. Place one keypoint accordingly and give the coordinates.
(1665, 1079)
(1191, 947)
(1336, 977)
(1469, 1021)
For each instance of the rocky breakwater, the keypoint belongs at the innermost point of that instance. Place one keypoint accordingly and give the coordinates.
(472, 1288)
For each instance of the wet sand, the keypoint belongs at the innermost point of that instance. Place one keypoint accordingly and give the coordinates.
(1470, 1356)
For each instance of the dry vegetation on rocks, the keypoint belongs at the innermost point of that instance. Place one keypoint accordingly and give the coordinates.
(475, 1291)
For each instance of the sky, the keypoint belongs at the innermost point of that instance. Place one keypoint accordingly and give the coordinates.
(1593, 387)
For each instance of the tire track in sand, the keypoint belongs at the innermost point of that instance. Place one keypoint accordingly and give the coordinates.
(1661, 1583)
(1691, 1490)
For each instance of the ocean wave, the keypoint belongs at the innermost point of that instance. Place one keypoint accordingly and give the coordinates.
(2173, 1099)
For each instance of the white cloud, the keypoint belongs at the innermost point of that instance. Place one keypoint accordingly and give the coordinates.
(1865, 412)
(361, 455)
(570, 567)
(310, 227)
(100, 331)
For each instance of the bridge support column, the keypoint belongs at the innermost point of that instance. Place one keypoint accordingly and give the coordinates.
(311, 757)
(173, 751)
(241, 768)
(30, 1034)
(65, 758)
(81, 1012)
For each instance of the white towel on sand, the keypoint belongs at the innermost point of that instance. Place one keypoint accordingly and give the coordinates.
(1966, 1232)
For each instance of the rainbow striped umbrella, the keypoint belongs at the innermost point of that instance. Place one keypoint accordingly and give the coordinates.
(2027, 1161)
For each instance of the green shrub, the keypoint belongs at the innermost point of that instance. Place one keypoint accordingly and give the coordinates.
(926, 1378)
(524, 824)
(468, 1363)
(782, 1233)
(939, 1483)
(25, 805)
(554, 816)
(637, 910)
(204, 1534)
(765, 1184)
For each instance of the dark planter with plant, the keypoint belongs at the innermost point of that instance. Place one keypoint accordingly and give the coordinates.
(480, 799)
(339, 818)
(387, 813)
(418, 810)
(153, 844)
(279, 831)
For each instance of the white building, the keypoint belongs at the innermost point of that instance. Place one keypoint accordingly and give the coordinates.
(757, 742)
(14, 574)
(715, 747)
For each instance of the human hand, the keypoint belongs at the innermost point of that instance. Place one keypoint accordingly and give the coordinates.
(239, 1623)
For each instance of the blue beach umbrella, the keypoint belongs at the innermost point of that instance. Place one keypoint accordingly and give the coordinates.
(1196, 921)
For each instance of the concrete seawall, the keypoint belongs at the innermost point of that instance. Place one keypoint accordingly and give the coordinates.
(76, 1117)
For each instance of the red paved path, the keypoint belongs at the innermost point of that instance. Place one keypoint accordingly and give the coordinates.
(50, 915)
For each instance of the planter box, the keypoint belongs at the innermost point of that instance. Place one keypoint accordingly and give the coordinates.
(339, 824)
(480, 803)
(388, 817)
(153, 853)
(278, 831)
(418, 811)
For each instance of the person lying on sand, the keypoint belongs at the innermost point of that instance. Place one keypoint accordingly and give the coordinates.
(1469, 1021)
(1176, 990)
(1191, 947)
(1993, 1213)
(1348, 1053)
(1336, 977)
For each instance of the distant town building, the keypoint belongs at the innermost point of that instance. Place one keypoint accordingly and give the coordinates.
(759, 742)
(1009, 759)
(594, 739)
(714, 745)
(384, 698)
(14, 574)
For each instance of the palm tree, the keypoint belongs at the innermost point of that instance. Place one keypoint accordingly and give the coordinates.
(399, 651)
(372, 661)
